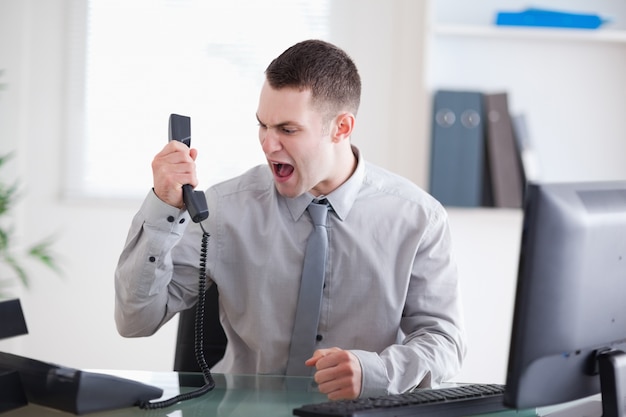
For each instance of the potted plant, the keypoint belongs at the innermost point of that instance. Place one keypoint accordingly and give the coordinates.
(13, 257)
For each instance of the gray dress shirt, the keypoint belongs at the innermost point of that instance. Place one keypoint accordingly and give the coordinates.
(391, 294)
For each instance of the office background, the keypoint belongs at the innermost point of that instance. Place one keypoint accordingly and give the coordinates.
(572, 87)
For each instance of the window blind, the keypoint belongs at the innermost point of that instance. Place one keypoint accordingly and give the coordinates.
(144, 59)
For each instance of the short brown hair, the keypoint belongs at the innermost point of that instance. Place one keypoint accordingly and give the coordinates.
(325, 69)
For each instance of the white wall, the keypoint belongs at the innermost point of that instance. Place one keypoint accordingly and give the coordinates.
(487, 244)
(71, 318)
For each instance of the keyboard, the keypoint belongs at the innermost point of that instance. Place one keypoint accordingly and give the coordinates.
(462, 400)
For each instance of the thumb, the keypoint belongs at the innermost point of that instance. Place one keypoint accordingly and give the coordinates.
(317, 355)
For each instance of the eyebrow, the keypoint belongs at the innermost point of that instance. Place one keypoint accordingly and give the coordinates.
(279, 125)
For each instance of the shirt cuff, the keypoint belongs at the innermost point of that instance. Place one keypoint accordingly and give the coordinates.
(161, 216)
(374, 381)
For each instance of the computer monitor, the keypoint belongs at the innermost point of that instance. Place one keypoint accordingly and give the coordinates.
(569, 322)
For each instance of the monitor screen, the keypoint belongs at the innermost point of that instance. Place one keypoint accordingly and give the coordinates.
(569, 320)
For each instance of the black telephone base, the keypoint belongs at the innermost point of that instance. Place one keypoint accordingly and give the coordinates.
(11, 392)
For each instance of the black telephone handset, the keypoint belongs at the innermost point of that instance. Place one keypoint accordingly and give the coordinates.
(195, 201)
(180, 130)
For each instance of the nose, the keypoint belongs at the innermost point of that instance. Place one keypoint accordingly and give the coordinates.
(270, 141)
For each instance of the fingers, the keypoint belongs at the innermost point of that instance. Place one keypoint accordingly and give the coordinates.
(344, 389)
(173, 167)
(317, 355)
(338, 373)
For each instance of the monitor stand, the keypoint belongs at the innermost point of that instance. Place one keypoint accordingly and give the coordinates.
(612, 369)
(12, 324)
(612, 365)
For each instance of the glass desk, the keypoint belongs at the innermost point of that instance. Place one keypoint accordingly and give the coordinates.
(233, 396)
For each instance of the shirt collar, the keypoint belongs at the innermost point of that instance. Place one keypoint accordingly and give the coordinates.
(341, 199)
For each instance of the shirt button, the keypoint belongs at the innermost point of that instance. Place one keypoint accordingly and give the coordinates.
(181, 221)
(319, 337)
(152, 259)
(170, 219)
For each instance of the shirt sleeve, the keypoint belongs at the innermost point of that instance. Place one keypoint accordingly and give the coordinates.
(146, 297)
(434, 346)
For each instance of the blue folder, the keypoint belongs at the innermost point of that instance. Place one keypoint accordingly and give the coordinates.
(549, 18)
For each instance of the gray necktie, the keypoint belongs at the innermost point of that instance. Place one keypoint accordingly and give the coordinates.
(310, 298)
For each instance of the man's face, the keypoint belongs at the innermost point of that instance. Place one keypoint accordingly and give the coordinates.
(298, 146)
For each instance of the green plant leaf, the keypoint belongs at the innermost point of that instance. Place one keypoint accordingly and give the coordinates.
(8, 193)
(9, 256)
(14, 264)
(43, 252)
(4, 239)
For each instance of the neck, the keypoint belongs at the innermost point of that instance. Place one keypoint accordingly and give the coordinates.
(346, 163)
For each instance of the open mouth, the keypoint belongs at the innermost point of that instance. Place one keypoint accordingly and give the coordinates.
(282, 170)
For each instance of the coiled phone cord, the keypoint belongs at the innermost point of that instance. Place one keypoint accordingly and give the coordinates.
(209, 383)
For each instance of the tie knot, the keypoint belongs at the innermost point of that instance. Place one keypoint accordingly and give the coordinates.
(318, 211)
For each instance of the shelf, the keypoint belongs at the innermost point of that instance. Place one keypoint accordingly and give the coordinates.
(529, 33)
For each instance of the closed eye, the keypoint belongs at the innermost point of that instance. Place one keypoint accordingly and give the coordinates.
(286, 128)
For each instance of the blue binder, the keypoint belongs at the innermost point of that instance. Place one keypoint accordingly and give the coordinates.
(549, 18)
(458, 170)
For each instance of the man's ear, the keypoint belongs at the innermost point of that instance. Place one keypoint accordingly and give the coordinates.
(343, 126)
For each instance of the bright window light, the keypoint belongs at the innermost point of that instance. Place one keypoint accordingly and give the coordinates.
(146, 59)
